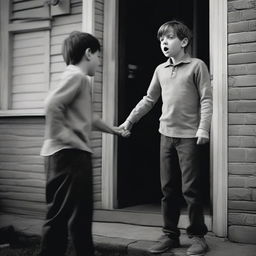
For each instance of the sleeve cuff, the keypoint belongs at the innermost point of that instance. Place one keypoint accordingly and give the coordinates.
(202, 133)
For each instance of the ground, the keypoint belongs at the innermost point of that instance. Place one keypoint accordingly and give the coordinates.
(117, 239)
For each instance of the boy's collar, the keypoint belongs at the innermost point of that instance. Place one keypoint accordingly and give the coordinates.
(74, 67)
(186, 59)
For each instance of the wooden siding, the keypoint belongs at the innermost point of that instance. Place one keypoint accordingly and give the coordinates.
(29, 9)
(22, 178)
(242, 120)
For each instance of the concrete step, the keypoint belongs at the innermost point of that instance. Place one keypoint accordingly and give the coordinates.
(117, 239)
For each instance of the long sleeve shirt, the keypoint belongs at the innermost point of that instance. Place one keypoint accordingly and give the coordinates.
(69, 113)
(186, 96)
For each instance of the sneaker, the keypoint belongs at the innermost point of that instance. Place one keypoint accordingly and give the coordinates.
(198, 247)
(164, 244)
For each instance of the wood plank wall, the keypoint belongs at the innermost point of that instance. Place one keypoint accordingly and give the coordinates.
(22, 178)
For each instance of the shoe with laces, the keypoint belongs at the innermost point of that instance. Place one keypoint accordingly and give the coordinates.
(164, 244)
(198, 247)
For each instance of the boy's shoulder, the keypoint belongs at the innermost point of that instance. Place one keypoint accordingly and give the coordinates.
(74, 71)
(192, 60)
(197, 61)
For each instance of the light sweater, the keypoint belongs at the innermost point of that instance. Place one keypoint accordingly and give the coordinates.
(186, 96)
(68, 112)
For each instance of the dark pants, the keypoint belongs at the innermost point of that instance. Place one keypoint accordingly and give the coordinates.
(69, 201)
(180, 176)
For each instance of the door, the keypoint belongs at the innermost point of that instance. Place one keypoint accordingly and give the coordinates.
(138, 179)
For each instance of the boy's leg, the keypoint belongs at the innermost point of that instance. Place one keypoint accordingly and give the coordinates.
(80, 223)
(55, 233)
(189, 164)
(171, 186)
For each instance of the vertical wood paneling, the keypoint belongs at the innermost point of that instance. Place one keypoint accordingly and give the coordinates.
(30, 69)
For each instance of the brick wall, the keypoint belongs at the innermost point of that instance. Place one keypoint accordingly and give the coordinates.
(242, 120)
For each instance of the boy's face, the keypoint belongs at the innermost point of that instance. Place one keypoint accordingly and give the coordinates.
(94, 62)
(171, 45)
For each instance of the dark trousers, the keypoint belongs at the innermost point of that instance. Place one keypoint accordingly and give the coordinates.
(180, 175)
(69, 201)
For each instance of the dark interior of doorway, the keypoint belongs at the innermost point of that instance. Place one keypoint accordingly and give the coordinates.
(138, 181)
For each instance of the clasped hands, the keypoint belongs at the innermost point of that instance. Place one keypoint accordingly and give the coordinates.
(124, 129)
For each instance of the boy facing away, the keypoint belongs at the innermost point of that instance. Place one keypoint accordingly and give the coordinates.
(67, 150)
(184, 85)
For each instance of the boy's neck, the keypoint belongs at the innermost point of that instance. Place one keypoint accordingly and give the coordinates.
(82, 68)
(178, 57)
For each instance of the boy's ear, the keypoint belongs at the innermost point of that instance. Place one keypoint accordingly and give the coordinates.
(184, 42)
(88, 53)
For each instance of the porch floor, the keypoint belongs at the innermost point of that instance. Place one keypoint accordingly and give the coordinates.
(131, 240)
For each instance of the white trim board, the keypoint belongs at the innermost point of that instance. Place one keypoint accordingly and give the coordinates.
(219, 156)
(109, 143)
(218, 58)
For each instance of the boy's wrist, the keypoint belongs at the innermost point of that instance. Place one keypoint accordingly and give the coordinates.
(202, 133)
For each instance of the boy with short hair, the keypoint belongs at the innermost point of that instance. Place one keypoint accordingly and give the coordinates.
(67, 150)
(184, 84)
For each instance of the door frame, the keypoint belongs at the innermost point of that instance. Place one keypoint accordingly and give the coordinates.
(219, 135)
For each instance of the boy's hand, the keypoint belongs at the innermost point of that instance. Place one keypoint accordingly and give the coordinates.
(126, 125)
(202, 140)
(121, 132)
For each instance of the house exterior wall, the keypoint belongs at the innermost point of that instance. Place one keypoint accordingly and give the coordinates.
(242, 120)
(22, 179)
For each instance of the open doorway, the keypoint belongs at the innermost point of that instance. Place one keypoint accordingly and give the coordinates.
(138, 179)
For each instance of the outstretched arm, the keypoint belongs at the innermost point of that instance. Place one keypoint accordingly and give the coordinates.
(145, 105)
(100, 125)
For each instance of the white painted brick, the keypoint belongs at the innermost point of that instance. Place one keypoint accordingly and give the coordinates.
(251, 155)
(246, 93)
(236, 181)
(242, 58)
(241, 5)
(243, 69)
(242, 205)
(236, 16)
(242, 106)
(242, 155)
(246, 80)
(242, 234)
(239, 194)
(254, 194)
(251, 182)
(242, 37)
(237, 155)
(239, 48)
(242, 168)
(244, 219)
(245, 118)
(243, 26)
(242, 130)
(242, 141)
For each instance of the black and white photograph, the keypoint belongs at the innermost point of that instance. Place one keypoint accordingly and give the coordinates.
(127, 127)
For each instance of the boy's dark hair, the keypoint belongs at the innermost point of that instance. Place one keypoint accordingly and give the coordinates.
(180, 29)
(75, 45)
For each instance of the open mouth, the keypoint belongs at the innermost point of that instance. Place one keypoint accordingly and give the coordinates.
(166, 49)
